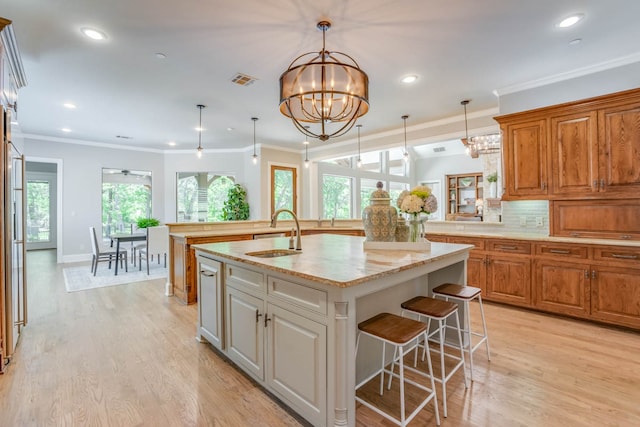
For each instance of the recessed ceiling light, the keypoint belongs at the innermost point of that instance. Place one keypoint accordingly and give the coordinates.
(160, 55)
(93, 33)
(66, 130)
(571, 20)
(575, 42)
(412, 78)
(230, 129)
(172, 143)
(69, 105)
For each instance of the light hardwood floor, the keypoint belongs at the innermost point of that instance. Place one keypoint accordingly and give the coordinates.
(126, 356)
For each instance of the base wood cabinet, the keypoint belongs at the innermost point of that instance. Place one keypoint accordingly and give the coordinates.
(587, 281)
(588, 149)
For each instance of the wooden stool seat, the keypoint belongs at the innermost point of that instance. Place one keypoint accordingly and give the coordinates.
(431, 307)
(457, 291)
(398, 332)
(393, 328)
(439, 311)
(464, 295)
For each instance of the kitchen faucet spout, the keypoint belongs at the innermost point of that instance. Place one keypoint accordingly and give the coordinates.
(274, 221)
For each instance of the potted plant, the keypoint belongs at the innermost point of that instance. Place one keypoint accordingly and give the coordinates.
(493, 179)
(236, 206)
(147, 222)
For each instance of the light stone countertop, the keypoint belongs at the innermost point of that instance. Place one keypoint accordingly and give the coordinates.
(539, 238)
(331, 259)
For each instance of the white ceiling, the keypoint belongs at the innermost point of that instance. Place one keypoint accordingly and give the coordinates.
(463, 49)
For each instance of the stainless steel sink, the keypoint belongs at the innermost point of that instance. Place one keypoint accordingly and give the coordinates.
(273, 253)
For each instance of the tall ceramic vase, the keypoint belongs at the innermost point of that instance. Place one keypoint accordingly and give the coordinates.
(380, 218)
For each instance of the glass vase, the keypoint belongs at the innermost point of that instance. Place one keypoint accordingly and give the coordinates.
(415, 229)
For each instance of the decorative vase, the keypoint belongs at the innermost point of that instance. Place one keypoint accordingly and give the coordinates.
(402, 230)
(416, 228)
(380, 218)
(492, 190)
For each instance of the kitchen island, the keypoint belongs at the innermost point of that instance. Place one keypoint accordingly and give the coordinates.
(290, 322)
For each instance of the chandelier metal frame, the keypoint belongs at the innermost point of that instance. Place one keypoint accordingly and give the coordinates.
(324, 91)
(481, 144)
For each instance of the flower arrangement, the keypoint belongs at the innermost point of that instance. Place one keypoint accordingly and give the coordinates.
(419, 200)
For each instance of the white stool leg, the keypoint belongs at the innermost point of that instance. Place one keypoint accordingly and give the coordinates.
(464, 371)
(470, 343)
(484, 327)
(401, 364)
(382, 370)
(441, 335)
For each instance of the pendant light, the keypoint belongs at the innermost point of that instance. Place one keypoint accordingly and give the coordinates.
(482, 144)
(199, 149)
(255, 156)
(359, 160)
(406, 153)
(306, 149)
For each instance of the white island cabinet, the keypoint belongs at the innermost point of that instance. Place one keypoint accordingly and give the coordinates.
(290, 322)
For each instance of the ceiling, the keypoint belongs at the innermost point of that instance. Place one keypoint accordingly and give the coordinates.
(463, 49)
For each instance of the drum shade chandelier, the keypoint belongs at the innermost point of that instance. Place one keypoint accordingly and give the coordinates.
(482, 144)
(324, 91)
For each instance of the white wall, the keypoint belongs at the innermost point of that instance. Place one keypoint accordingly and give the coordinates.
(82, 186)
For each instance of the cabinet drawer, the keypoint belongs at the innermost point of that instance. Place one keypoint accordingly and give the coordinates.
(477, 242)
(309, 298)
(558, 250)
(509, 246)
(436, 238)
(244, 279)
(617, 253)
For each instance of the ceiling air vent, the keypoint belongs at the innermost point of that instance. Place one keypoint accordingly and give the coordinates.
(124, 137)
(438, 149)
(243, 79)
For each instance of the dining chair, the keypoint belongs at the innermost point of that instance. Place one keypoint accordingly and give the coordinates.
(157, 244)
(104, 254)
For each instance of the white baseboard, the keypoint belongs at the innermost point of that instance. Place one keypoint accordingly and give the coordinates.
(76, 258)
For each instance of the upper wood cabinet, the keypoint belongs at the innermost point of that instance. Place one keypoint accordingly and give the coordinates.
(525, 159)
(588, 149)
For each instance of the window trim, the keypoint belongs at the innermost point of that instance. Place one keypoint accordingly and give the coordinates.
(272, 171)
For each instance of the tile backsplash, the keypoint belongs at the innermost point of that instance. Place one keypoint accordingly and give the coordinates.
(518, 217)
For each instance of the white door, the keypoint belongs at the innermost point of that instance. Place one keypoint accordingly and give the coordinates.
(245, 331)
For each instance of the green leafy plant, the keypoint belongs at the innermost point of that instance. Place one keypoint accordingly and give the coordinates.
(147, 222)
(492, 177)
(236, 206)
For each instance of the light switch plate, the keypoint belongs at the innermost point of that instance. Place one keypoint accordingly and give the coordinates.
(523, 221)
(539, 221)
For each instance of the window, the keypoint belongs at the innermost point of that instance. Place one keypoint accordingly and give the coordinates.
(367, 186)
(201, 196)
(283, 189)
(396, 165)
(371, 162)
(336, 196)
(126, 196)
(38, 210)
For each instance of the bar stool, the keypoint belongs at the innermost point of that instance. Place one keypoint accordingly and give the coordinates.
(398, 332)
(465, 294)
(434, 309)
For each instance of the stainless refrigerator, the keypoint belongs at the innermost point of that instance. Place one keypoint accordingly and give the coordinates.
(13, 299)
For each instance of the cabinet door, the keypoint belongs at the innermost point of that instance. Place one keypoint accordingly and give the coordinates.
(210, 312)
(562, 287)
(574, 154)
(245, 331)
(476, 272)
(615, 295)
(297, 362)
(525, 154)
(509, 279)
(619, 137)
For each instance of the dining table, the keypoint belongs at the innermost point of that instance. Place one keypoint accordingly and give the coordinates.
(125, 237)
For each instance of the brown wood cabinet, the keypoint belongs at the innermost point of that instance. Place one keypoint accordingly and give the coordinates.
(562, 279)
(586, 149)
(509, 271)
(612, 219)
(525, 159)
(587, 281)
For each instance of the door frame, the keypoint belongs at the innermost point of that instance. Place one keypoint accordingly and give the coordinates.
(59, 192)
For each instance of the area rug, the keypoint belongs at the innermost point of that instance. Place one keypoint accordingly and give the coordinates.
(80, 278)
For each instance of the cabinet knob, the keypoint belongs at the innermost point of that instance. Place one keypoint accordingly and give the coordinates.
(266, 321)
(258, 315)
(595, 184)
(602, 184)
(593, 274)
(586, 274)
